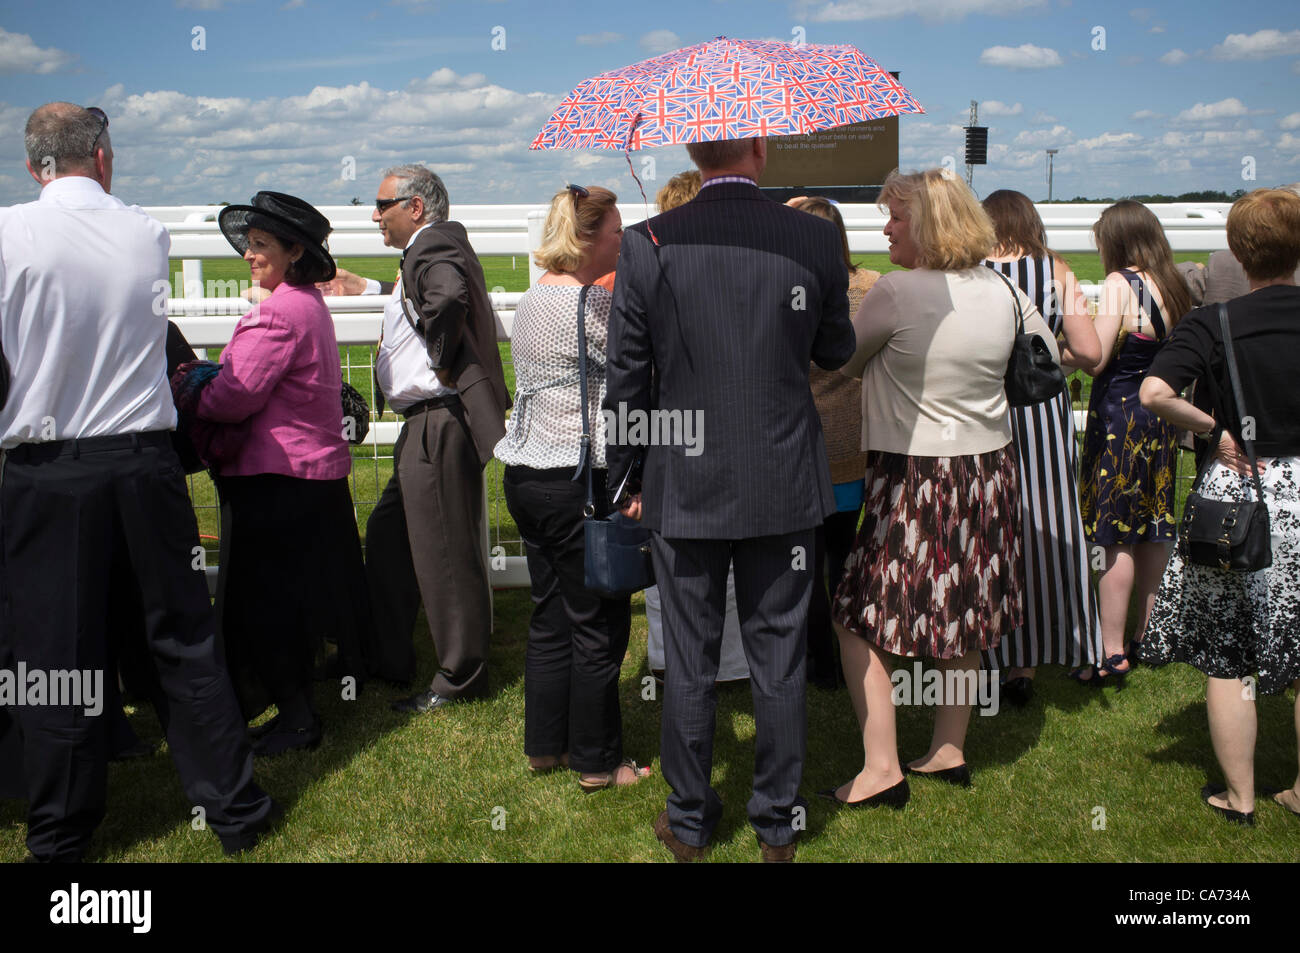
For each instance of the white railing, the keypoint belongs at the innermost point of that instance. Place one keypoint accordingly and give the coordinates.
(208, 322)
(504, 229)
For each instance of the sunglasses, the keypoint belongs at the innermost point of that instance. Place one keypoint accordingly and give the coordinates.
(383, 205)
(578, 192)
(103, 124)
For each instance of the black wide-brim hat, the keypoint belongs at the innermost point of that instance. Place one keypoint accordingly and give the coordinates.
(289, 218)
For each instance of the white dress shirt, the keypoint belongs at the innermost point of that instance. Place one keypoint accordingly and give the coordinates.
(83, 320)
(402, 364)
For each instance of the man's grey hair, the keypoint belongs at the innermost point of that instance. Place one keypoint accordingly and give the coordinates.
(63, 132)
(413, 180)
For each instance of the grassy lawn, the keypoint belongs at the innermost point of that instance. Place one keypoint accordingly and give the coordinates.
(454, 785)
(384, 786)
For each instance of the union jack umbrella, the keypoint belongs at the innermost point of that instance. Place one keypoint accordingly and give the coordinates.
(725, 89)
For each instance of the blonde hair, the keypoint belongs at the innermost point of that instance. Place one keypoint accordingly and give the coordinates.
(680, 189)
(1264, 233)
(949, 227)
(568, 231)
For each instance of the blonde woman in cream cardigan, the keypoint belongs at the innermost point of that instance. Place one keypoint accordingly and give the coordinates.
(935, 572)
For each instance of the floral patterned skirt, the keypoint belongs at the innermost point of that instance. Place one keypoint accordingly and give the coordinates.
(936, 566)
(1233, 624)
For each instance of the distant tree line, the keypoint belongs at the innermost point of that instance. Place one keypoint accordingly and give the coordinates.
(1206, 196)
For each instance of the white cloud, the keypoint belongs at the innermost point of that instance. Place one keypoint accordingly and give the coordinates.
(1043, 119)
(1174, 58)
(1258, 45)
(599, 39)
(660, 41)
(294, 5)
(1142, 114)
(1290, 122)
(1229, 108)
(850, 10)
(992, 107)
(200, 4)
(18, 54)
(1109, 140)
(1025, 56)
(1045, 138)
(175, 148)
(1156, 29)
(1289, 143)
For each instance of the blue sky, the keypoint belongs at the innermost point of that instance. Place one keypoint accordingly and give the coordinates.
(1138, 96)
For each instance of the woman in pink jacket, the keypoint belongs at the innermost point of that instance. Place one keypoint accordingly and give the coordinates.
(291, 566)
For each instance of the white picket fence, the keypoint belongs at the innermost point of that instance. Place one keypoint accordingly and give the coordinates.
(208, 321)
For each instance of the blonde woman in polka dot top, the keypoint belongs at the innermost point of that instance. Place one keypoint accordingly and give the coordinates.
(576, 639)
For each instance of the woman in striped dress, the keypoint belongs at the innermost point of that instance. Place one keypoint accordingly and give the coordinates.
(1061, 625)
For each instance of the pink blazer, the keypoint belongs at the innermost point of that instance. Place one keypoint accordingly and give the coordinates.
(279, 382)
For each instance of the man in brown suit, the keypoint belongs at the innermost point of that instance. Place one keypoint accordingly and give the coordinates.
(438, 365)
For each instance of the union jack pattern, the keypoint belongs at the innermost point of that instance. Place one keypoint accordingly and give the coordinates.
(725, 89)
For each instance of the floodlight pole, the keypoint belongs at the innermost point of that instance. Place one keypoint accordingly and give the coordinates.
(1050, 154)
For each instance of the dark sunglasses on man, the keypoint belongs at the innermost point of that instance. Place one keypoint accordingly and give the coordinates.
(103, 124)
(383, 205)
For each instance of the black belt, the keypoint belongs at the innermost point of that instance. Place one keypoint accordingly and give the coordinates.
(76, 447)
(431, 404)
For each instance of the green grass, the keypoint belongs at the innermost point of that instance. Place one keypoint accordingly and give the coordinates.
(387, 787)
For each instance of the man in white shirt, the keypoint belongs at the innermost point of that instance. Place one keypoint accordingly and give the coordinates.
(438, 365)
(89, 482)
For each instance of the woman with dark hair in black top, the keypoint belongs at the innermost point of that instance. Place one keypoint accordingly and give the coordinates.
(1234, 625)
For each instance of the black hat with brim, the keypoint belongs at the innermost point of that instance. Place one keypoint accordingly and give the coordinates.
(287, 217)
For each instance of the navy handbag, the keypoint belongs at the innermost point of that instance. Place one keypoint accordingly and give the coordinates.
(617, 549)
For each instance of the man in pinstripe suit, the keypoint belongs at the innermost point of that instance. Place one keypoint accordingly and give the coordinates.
(719, 305)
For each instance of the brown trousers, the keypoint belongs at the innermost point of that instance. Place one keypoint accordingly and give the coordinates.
(423, 543)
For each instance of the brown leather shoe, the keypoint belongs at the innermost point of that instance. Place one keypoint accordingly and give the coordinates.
(685, 853)
(774, 854)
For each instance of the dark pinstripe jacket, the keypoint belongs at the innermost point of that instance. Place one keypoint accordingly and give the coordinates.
(724, 316)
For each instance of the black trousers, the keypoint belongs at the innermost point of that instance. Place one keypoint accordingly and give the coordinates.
(576, 639)
(292, 577)
(773, 584)
(423, 544)
(68, 511)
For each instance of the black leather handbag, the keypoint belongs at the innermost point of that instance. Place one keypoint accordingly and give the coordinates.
(1032, 375)
(616, 558)
(1226, 535)
(356, 411)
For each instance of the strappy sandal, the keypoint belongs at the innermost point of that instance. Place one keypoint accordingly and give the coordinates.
(1114, 674)
(561, 762)
(1077, 675)
(610, 780)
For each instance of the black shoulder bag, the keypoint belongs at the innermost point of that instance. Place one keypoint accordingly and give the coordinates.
(1032, 376)
(1224, 535)
(617, 550)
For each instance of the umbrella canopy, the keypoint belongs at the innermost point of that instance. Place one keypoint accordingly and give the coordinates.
(725, 89)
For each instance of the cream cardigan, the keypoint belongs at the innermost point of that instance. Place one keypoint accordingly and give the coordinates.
(932, 353)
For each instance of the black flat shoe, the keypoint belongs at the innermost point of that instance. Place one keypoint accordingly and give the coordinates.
(421, 703)
(960, 775)
(1018, 691)
(1228, 814)
(895, 797)
(281, 740)
(264, 729)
